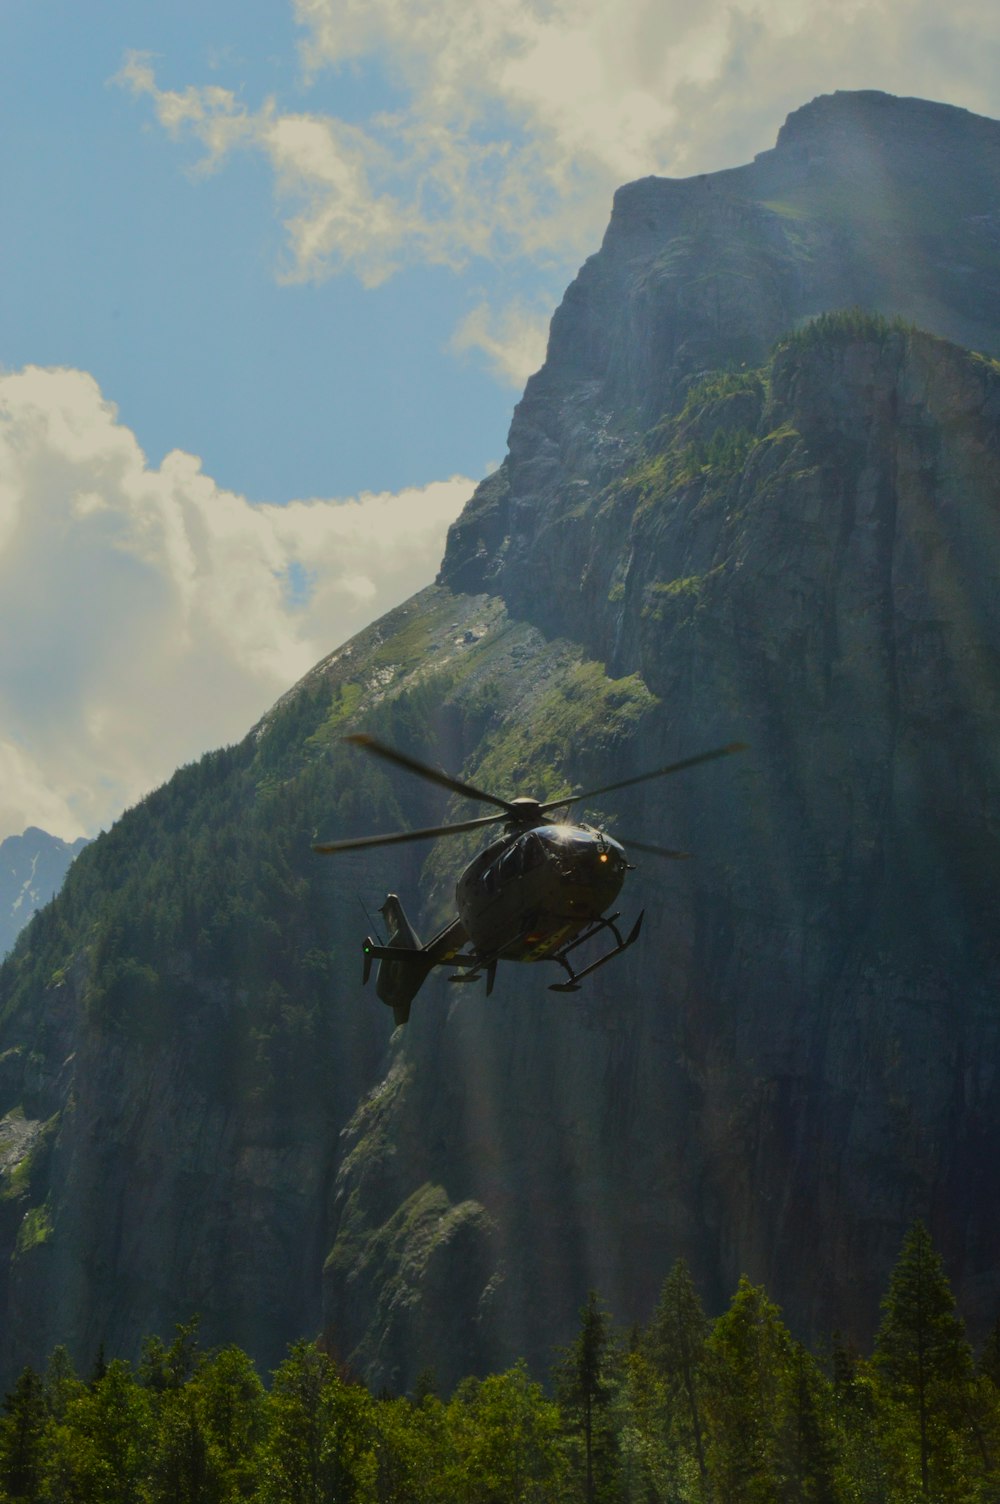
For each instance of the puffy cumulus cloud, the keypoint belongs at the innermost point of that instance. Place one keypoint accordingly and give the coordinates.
(149, 614)
(517, 118)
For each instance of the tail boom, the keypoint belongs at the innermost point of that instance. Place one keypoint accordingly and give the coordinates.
(403, 963)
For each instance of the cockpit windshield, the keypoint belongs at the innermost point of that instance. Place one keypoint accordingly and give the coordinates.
(505, 862)
(573, 836)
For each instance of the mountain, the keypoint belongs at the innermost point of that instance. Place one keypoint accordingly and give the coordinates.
(32, 868)
(727, 511)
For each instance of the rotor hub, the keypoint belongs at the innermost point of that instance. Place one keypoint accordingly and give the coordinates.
(526, 811)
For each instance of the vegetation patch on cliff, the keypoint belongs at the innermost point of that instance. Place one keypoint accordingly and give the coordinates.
(582, 706)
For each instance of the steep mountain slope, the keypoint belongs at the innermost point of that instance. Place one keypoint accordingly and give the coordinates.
(32, 867)
(691, 540)
(798, 1058)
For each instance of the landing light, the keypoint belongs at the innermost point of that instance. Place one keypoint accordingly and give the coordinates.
(604, 856)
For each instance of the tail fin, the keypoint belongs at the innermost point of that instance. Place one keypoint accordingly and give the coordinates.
(400, 977)
(401, 931)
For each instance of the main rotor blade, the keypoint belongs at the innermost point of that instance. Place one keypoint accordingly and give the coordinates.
(455, 785)
(329, 848)
(630, 845)
(625, 783)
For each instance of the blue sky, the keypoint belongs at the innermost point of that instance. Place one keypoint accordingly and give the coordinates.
(164, 284)
(271, 279)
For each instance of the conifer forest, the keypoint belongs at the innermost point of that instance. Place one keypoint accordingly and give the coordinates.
(685, 1410)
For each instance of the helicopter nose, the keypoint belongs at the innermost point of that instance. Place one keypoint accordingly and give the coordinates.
(607, 869)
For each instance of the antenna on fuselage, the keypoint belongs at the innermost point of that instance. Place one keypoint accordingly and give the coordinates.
(373, 927)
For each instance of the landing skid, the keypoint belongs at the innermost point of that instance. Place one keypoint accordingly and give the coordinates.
(576, 977)
(474, 966)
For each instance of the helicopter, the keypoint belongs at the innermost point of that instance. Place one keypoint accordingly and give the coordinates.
(536, 894)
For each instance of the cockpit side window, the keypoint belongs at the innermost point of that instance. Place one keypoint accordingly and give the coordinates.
(532, 853)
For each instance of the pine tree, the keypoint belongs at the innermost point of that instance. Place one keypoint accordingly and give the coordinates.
(321, 1442)
(99, 1453)
(807, 1441)
(862, 1462)
(509, 1433)
(651, 1463)
(675, 1343)
(584, 1391)
(23, 1439)
(61, 1382)
(230, 1399)
(750, 1354)
(163, 1367)
(182, 1469)
(924, 1364)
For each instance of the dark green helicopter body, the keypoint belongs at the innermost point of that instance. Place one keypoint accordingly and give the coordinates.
(535, 895)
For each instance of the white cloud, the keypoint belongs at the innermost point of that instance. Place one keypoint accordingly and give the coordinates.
(516, 119)
(149, 614)
(513, 339)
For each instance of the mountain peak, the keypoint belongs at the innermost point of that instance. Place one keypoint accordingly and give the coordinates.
(872, 116)
(32, 868)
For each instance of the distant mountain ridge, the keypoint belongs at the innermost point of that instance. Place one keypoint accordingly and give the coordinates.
(744, 499)
(32, 869)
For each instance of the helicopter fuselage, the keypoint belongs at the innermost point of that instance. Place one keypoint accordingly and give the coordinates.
(540, 893)
(525, 897)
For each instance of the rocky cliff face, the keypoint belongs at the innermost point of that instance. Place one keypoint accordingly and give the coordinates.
(799, 1056)
(867, 200)
(692, 540)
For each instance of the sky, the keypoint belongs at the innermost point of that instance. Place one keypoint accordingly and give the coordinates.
(272, 276)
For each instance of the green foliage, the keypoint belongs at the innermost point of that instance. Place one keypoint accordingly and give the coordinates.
(99, 1453)
(749, 1351)
(579, 705)
(717, 386)
(925, 1365)
(844, 326)
(320, 1439)
(35, 1229)
(676, 1346)
(722, 454)
(730, 1411)
(204, 913)
(22, 1438)
(585, 1383)
(704, 446)
(718, 430)
(807, 1443)
(651, 1464)
(507, 1436)
(28, 1177)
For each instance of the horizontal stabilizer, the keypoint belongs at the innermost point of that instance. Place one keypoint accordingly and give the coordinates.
(404, 964)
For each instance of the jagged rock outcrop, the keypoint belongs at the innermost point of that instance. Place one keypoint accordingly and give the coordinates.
(720, 517)
(866, 200)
